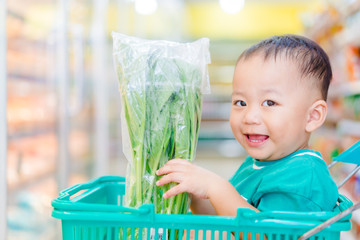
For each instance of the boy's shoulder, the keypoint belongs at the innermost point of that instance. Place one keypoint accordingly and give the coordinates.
(306, 159)
(304, 163)
(299, 159)
(303, 167)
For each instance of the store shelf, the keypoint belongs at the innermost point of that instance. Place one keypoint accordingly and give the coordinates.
(215, 130)
(332, 19)
(344, 89)
(337, 31)
(349, 127)
(38, 176)
(348, 36)
(26, 77)
(33, 132)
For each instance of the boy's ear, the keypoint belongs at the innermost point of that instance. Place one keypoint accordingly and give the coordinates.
(316, 115)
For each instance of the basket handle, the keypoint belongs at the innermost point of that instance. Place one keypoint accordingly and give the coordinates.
(67, 193)
(63, 202)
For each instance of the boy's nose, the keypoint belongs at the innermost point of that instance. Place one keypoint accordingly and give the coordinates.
(252, 116)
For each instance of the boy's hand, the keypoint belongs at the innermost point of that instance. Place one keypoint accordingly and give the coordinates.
(190, 178)
(202, 184)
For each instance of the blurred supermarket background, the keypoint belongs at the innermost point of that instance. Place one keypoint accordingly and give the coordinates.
(60, 105)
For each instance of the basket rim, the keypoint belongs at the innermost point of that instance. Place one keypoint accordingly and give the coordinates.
(73, 209)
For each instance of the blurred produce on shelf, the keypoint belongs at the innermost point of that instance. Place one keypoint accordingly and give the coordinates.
(336, 29)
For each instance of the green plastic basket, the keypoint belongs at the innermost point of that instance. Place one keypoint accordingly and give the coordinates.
(94, 210)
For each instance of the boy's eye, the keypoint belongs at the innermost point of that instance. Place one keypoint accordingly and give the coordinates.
(269, 103)
(240, 103)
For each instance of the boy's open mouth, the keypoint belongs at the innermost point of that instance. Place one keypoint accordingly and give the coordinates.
(256, 138)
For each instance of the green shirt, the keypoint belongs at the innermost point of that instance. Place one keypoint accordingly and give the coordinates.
(298, 182)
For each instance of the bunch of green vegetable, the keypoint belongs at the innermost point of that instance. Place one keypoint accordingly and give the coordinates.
(161, 86)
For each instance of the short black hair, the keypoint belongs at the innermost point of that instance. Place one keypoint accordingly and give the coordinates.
(311, 58)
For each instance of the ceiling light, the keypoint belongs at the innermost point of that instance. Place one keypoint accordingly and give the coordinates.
(231, 6)
(145, 7)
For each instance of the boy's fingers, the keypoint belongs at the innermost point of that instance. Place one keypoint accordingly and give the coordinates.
(177, 161)
(164, 170)
(162, 181)
(172, 167)
(173, 191)
(172, 177)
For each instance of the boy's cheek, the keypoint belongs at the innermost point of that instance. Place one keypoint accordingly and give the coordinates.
(234, 118)
(233, 128)
(235, 123)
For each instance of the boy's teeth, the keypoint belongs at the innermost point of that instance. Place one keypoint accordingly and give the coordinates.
(257, 138)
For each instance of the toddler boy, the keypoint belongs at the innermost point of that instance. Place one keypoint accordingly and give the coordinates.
(279, 98)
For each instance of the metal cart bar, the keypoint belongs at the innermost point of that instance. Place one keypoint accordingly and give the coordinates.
(329, 222)
(3, 121)
(353, 172)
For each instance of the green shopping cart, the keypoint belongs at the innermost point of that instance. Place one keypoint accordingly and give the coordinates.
(95, 211)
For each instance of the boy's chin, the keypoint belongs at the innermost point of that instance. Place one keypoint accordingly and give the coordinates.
(261, 156)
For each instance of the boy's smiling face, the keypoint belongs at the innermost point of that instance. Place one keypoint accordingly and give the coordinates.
(271, 107)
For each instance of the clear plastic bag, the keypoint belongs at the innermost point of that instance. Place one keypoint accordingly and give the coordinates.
(161, 87)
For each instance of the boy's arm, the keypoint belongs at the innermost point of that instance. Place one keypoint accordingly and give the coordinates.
(201, 206)
(205, 187)
(226, 200)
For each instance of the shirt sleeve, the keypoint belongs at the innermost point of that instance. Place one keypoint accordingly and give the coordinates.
(277, 201)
